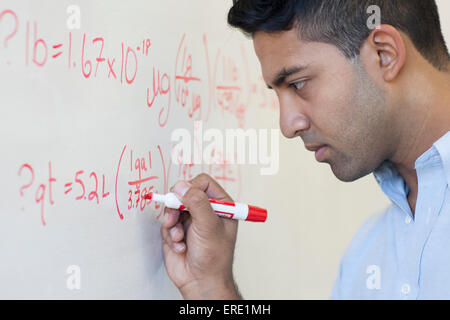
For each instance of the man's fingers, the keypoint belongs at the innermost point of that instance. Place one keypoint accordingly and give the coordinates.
(207, 184)
(197, 203)
(176, 246)
(172, 230)
(171, 217)
(214, 191)
(177, 233)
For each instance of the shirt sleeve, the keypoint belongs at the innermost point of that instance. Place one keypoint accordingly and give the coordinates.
(336, 294)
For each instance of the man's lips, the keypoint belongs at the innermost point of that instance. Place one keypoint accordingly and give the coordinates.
(319, 149)
(314, 147)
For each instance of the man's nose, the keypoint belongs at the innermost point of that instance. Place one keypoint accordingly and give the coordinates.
(293, 120)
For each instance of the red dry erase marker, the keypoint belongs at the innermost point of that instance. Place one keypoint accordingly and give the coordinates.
(224, 209)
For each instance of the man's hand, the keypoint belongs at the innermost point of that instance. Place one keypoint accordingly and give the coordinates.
(198, 246)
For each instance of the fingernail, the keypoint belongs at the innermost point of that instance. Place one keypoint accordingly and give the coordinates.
(181, 187)
(178, 246)
(173, 232)
(166, 217)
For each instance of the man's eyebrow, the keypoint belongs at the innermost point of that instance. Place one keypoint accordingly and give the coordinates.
(284, 73)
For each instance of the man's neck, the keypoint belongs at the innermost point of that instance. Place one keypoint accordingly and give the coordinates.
(428, 119)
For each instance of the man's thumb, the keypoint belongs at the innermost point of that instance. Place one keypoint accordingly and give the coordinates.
(197, 202)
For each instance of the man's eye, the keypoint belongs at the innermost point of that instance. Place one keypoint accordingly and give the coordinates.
(297, 85)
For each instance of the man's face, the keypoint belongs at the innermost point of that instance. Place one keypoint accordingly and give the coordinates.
(327, 100)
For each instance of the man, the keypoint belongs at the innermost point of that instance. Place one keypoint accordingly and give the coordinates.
(364, 99)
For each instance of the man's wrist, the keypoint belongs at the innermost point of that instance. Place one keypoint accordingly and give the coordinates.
(211, 290)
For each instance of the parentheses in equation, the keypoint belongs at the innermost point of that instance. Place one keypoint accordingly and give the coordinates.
(117, 178)
(208, 67)
(214, 78)
(180, 45)
(166, 174)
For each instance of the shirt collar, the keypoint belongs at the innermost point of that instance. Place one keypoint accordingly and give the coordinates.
(392, 183)
(438, 153)
(443, 147)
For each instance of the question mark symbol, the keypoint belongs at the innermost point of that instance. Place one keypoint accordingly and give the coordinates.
(16, 26)
(5, 12)
(26, 165)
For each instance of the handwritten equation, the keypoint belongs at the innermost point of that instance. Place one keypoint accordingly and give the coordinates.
(135, 176)
(182, 89)
(231, 89)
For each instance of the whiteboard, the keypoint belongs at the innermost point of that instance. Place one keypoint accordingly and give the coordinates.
(91, 91)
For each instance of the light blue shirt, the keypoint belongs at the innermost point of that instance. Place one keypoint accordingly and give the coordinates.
(396, 255)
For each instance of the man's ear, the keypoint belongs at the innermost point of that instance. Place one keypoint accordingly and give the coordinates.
(384, 52)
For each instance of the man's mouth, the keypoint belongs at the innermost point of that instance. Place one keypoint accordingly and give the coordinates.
(319, 149)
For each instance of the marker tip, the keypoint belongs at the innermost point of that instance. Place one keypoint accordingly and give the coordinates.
(148, 196)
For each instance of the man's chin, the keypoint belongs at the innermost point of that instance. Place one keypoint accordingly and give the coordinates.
(348, 174)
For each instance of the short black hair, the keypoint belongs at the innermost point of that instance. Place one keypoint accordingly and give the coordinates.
(343, 23)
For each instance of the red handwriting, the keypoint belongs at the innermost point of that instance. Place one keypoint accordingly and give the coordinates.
(264, 98)
(86, 187)
(10, 13)
(223, 171)
(141, 178)
(116, 184)
(87, 63)
(210, 76)
(227, 89)
(184, 78)
(40, 192)
(58, 53)
(228, 83)
(230, 87)
(39, 43)
(146, 43)
(100, 58)
(26, 185)
(166, 173)
(133, 58)
(161, 87)
(111, 68)
(141, 166)
(79, 183)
